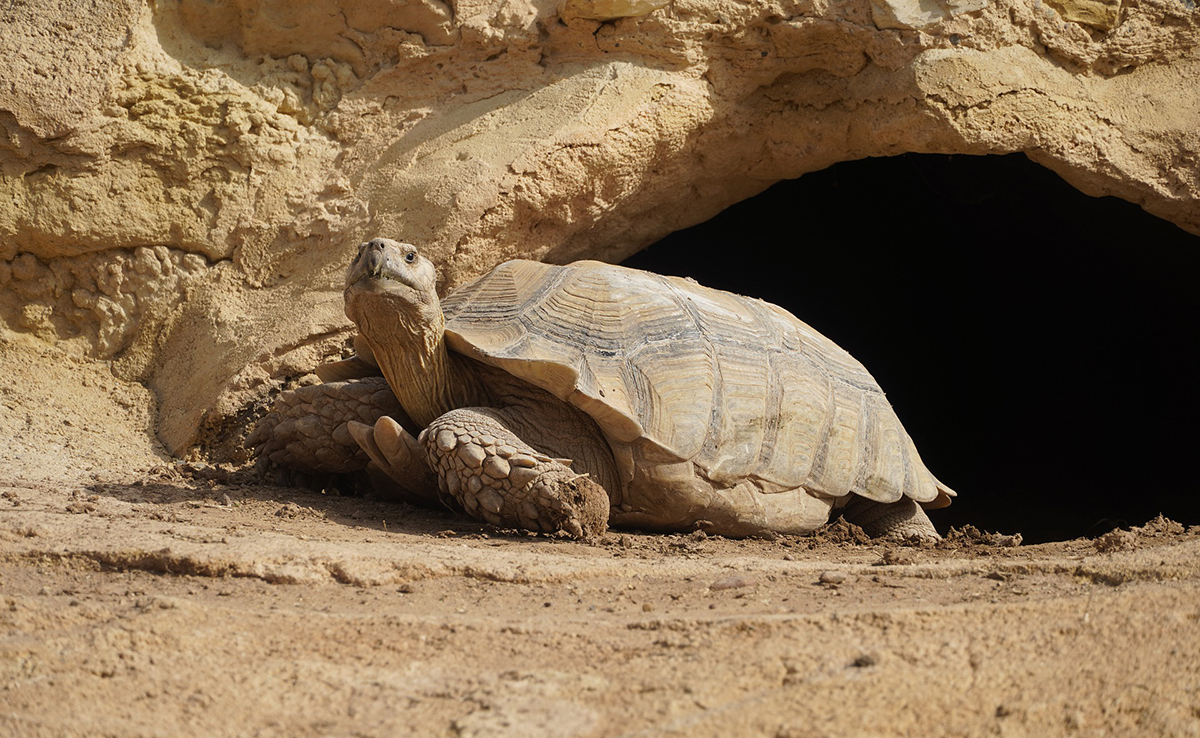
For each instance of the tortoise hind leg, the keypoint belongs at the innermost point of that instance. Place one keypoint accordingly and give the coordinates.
(499, 478)
(901, 520)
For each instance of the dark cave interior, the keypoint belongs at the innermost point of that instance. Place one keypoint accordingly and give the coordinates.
(1039, 345)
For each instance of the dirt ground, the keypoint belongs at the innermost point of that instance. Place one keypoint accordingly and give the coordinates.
(142, 596)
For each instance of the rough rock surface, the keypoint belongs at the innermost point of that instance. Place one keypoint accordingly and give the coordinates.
(181, 180)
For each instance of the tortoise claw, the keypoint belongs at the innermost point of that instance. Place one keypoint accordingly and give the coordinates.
(395, 452)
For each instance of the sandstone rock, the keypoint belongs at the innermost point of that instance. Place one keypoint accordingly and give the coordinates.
(606, 10)
(915, 14)
(182, 181)
(1102, 14)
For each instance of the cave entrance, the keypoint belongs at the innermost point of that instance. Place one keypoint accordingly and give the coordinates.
(1039, 345)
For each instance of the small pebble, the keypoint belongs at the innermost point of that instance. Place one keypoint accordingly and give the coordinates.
(734, 581)
(832, 577)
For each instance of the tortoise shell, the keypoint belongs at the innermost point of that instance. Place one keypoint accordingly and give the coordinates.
(674, 372)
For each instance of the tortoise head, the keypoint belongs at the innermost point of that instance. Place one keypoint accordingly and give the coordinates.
(390, 280)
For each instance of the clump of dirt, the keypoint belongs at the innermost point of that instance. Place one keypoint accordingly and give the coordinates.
(1160, 526)
(1116, 540)
(840, 531)
(896, 557)
(1155, 531)
(969, 536)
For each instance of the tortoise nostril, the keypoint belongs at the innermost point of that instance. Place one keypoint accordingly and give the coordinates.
(374, 262)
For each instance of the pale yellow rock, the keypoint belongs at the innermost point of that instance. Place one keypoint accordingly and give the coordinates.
(1102, 14)
(181, 181)
(605, 10)
(458, 170)
(915, 14)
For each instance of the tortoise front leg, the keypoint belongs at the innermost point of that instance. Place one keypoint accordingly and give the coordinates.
(499, 478)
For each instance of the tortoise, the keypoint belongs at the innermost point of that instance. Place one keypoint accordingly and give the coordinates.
(566, 398)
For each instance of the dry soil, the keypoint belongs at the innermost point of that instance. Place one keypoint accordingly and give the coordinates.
(142, 596)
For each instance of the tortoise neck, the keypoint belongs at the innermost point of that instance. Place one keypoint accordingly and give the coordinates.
(426, 377)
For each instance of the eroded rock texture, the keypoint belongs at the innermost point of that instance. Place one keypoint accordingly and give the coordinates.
(182, 180)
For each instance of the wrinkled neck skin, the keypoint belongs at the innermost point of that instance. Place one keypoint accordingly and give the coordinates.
(427, 378)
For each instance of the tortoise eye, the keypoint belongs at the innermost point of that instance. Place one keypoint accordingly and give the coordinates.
(410, 257)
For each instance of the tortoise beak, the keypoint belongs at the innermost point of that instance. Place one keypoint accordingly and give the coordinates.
(373, 259)
(370, 263)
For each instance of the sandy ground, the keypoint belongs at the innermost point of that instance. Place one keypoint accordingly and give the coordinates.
(140, 596)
